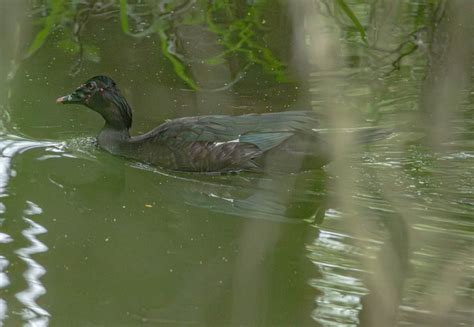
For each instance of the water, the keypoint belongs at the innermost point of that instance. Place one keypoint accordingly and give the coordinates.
(381, 236)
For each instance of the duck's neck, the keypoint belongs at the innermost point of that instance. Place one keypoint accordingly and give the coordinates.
(114, 139)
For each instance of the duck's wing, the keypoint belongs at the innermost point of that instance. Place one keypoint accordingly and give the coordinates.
(216, 143)
(265, 130)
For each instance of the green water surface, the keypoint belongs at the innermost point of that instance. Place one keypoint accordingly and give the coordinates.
(383, 236)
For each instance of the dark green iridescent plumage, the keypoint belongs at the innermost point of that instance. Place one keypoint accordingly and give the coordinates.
(284, 141)
(220, 143)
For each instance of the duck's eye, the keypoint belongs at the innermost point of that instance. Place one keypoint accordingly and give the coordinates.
(91, 86)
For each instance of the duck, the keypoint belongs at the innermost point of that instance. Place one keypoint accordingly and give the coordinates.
(288, 141)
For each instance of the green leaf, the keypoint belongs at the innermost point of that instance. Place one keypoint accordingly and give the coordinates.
(39, 40)
(178, 66)
(54, 17)
(353, 18)
(123, 16)
(240, 35)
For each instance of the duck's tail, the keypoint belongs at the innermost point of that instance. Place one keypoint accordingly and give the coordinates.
(306, 151)
(357, 135)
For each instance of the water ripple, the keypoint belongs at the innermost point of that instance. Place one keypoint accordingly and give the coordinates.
(33, 313)
(9, 146)
(341, 285)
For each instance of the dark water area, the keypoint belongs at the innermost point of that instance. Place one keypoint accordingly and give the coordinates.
(381, 236)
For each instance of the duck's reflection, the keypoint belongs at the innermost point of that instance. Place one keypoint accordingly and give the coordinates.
(283, 198)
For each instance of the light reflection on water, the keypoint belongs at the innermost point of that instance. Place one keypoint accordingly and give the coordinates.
(436, 262)
(341, 284)
(11, 145)
(33, 314)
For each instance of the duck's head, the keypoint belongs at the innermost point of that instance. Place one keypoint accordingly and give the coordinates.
(101, 94)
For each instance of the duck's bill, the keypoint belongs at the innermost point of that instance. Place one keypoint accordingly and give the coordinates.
(71, 98)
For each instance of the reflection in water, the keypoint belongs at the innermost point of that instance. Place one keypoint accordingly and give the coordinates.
(256, 261)
(4, 282)
(279, 198)
(10, 146)
(340, 284)
(33, 313)
(399, 203)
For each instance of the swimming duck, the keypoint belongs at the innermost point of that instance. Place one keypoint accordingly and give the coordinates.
(286, 141)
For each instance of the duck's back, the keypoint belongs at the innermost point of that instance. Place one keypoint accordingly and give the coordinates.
(226, 143)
